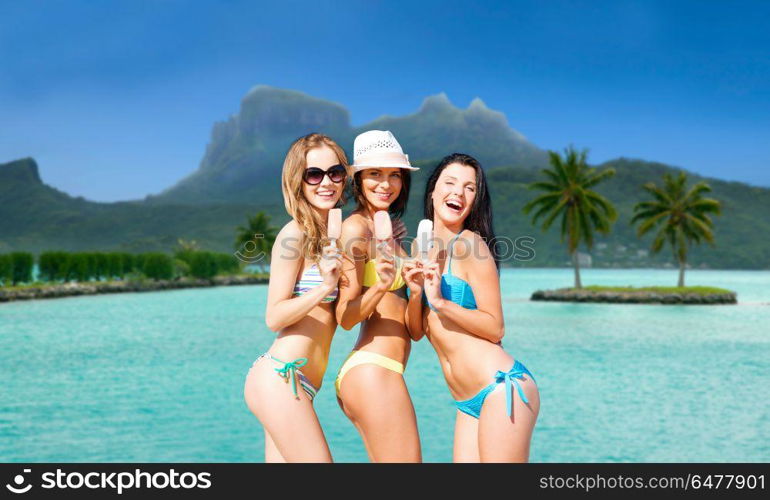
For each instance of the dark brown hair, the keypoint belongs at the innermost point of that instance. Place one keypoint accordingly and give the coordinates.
(479, 218)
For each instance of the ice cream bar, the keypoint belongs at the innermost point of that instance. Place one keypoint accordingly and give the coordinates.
(334, 225)
(383, 232)
(424, 237)
(383, 228)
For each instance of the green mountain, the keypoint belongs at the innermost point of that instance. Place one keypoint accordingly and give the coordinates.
(245, 153)
(35, 217)
(239, 175)
(439, 128)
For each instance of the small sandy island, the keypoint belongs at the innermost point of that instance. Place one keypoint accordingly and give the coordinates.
(695, 295)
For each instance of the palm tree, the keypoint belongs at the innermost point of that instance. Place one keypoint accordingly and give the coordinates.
(188, 245)
(254, 242)
(679, 214)
(568, 196)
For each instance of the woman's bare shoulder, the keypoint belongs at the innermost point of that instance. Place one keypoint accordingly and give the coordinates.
(356, 225)
(290, 229)
(471, 246)
(289, 240)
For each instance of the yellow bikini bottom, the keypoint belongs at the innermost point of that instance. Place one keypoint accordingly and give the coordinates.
(356, 358)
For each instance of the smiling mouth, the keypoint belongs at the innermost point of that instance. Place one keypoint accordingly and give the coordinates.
(454, 206)
(383, 196)
(327, 194)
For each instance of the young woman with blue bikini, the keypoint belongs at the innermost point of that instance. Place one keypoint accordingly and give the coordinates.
(455, 299)
(301, 297)
(370, 385)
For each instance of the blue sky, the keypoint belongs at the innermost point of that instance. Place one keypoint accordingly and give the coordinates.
(116, 99)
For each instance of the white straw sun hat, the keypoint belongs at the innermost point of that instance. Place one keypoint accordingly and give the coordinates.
(378, 148)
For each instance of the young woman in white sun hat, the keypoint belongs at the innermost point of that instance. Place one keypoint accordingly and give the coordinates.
(370, 384)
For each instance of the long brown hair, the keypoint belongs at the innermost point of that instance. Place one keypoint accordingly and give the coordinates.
(299, 208)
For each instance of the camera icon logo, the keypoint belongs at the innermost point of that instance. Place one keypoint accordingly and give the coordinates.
(18, 480)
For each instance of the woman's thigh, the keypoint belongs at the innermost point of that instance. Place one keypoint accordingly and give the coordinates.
(377, 401)
(290, 421)
(466, 445)
(504, 438)
(272, 455)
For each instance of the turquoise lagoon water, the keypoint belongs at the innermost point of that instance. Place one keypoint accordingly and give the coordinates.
(159, 376)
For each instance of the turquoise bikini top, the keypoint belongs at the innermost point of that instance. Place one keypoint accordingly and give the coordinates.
(453, 288)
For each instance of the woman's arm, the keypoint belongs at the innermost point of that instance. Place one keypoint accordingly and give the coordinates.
(286, 261)
(486, 321)
(354, 307)
(412, 274)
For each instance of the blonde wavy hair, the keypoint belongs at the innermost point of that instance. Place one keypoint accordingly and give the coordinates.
(298, 207)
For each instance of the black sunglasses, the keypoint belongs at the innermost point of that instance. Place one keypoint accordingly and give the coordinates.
(315, 175)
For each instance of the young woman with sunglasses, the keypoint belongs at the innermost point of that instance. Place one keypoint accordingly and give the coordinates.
(370, 384)
(455, 300)
(282, 382)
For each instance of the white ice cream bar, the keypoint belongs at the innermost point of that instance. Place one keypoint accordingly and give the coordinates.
(334, 224)
(383, 228)
(424, 237)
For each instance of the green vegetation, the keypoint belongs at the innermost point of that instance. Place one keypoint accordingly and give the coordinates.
(254, 242)
(59, 267)
(22, 264)
(680, 215)
(84, 266)
(568, 197)
(203, 265)
(226, 263)
(699, 290)
(183, 255)
(51, 265)
(157, 266)
(191, 261)
(6, 270)
(79, 268)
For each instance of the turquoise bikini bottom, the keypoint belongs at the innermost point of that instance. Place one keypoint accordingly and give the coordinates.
(473, 406)
(291, 371)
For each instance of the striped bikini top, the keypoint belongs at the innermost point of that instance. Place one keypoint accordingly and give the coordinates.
(310, 279)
